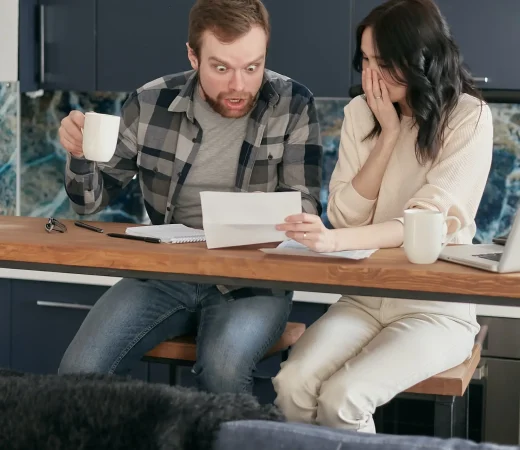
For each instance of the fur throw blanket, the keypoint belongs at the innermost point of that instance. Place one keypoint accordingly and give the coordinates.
(83, 412)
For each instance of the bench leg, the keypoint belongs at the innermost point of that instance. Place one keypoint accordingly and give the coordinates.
(173, 374)
(466, 414)
(444, 416)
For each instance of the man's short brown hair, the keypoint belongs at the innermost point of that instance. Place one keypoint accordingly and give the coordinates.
(226, 19)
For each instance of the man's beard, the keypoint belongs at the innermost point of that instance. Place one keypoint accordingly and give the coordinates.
(219, 106)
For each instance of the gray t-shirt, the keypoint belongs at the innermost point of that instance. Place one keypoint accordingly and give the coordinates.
(215, 166)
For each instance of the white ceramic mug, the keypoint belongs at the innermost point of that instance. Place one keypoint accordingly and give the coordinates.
(424, 232)
(100, 134)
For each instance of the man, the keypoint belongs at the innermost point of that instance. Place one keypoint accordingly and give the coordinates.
(228, 125)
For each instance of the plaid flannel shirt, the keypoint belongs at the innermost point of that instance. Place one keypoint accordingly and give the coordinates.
(159, 139)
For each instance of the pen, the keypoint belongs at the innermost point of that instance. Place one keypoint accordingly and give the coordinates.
(135, 238)
(88, 227)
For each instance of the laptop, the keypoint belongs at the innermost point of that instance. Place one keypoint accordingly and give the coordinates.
(490, 257)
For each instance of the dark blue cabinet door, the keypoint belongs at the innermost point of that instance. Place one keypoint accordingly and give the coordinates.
(310, 42)
(487, 34)
(5, 322)
(45, 318)
(68, 53)
(138, 41)
(28, 49)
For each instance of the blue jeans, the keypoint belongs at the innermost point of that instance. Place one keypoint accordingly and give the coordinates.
(133, 316)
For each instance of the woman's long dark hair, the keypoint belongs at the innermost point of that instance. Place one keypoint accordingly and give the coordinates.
(413, 40)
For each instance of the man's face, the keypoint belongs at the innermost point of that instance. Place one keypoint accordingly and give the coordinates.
(231, 74)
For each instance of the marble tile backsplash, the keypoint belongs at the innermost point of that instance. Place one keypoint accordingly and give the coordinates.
(500, 201)
(42, 159)
(9, 118)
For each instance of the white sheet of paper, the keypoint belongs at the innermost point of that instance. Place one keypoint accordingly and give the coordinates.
(243, 218)
(291, 247)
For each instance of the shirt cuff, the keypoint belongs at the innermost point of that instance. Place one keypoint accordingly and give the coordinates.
(80, 166)
(308, 206)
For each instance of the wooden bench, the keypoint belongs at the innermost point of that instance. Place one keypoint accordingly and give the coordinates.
(182, 351)
(448, 388)
(444, 388)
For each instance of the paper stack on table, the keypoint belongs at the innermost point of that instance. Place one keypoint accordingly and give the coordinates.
(294, 248)
(243, 218)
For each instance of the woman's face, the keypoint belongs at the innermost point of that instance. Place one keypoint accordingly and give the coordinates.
(371, 61)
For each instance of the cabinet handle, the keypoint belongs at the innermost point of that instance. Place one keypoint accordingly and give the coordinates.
(42, 44)
(482, 79)
(481, 371)
(63, 305)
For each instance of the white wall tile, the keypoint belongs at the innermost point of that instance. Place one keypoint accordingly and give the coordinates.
(8, 40)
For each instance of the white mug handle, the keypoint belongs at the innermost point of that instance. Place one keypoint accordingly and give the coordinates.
(450, 237)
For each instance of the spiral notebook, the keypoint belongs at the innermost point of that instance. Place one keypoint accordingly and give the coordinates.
(169, 233)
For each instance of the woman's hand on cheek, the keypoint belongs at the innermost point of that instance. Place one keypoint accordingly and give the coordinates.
(378, 100)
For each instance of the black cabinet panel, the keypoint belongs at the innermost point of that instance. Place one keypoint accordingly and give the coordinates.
(139, 41)
(502, 405)
(487, 34)
(159, 373)
(118, 45)
(310, 42)
(5, 322)
(69, 50)
(45, 318)
(28, 53)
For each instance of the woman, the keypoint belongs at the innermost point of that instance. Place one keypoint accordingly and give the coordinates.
(420, 137)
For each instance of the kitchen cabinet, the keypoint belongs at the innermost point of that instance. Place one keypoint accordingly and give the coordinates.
(28, 50)
(139, 41)
(486, 33)
(501, 356)
(45, 319)
(118, 45)
(67, 51)
(5, 323)
(310, 42)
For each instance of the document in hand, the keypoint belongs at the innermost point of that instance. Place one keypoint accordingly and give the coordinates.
(243, 218)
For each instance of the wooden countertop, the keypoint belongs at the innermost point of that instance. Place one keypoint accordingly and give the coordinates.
(25, 244)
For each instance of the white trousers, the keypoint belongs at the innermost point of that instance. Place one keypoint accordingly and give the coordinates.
(366, 350)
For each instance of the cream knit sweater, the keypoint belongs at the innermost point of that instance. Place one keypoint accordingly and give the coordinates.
(453, 184)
